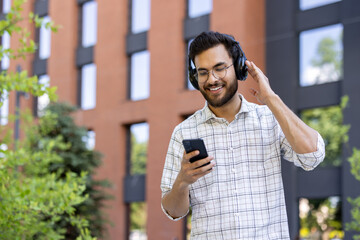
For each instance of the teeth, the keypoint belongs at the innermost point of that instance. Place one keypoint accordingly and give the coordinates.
(214, 89)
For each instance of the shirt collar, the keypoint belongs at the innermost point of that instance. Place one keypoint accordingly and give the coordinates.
(207, 114)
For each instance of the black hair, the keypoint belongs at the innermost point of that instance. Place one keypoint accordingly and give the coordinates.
(209, 39)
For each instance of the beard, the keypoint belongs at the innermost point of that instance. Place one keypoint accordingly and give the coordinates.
(216, 102)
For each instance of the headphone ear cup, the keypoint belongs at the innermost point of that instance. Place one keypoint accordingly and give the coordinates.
(192, 77)
(244, 69)
(241, 70)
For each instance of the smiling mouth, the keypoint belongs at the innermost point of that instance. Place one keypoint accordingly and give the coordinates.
(215, 89)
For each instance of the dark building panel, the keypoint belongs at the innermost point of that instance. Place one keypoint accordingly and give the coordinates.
(322, 95)
(319, 183)
(194, 26)
(136, 42)
(318, 17)
(134, 188)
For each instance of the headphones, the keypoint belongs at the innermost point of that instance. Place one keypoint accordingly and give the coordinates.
(241, 69)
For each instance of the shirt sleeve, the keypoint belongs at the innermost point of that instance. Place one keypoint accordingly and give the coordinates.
(172, 167)
(307, 161)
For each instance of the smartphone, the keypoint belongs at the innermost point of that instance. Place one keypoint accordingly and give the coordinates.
(195, 144)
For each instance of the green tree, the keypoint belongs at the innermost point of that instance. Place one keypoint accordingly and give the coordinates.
(329, 60)
(138, 156)
(32, 199)
(328, 122)
(355, 212)
(76, 159)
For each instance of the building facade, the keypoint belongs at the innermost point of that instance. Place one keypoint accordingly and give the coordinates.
(123, 62)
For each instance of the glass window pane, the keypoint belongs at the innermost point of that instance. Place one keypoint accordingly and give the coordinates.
(139, 134)
(43, 101)
(320, 218)
(307, 4)
(140, 76)
(6, 6)
(88, 86)
(89, 140)
(199, 7)
(5, 61)
(328, 122)
(89, 24)
(321, 55)
(140, 16)
(138, 216)
(45, 39)
(4, 109)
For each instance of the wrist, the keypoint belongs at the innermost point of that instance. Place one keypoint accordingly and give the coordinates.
(181, 186)
(271, 99)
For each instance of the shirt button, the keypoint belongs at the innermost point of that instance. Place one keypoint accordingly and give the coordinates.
(237, 214)
(233, 170)
(231, 149)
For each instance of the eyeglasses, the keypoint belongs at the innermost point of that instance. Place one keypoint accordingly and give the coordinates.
(219, 72)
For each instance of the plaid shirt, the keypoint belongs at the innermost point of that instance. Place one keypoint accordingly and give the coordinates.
(243, 198)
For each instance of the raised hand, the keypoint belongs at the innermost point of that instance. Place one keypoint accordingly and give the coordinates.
(265, 91)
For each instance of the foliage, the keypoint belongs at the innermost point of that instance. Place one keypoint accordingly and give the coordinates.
(76, 159)
(32, 198)
(328, 60)
(138, 216)
(138, 156)
(355, 202)
(324, 215)
(21, 81)
(329, 123)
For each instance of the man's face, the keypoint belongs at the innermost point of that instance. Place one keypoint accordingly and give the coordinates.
(217, 92)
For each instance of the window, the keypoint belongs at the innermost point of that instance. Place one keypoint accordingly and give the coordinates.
(139, 137)
(320, 217)
(308, 4)
(5, 42)
(198, 8)
(88, 86)
(89, 24)
(321, 55)
(328, 121)
(140, 76)
(140, 16)
(4, 109)
(138, 216)
(45, 39)
(43, 101)
(89, 139)
(6, 6)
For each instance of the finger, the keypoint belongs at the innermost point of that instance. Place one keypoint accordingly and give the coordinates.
(202, 162)
(254, 72)
(204, 168)
(188, 156)
(204, 173)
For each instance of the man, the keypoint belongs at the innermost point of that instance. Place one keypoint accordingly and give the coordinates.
(239, 195)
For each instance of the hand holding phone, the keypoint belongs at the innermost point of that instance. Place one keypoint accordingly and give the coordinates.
(191, 145)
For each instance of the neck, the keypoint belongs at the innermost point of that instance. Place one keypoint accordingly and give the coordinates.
(228, 110)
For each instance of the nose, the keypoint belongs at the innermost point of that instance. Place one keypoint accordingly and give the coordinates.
(212, 79)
